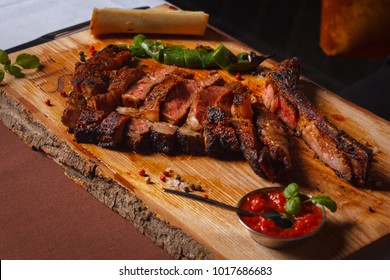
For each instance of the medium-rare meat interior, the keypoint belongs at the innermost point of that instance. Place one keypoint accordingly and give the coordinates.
(165, 109)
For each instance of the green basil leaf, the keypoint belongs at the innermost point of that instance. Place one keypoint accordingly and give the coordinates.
(2, 74)
(325, 201)
(291, 190)
(27, 61)
(293, 205)
(3, 57)
(16, 71)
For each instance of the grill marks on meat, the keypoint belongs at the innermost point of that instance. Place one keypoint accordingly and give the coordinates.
(74, 106)
(137, 135)
(92, 77)
(198, 111)
(163, 136)
(136, 95)
(111, 130)
(190, 141)
(109, 101)
(151, 107)
(178, 102)
(167, 111)
(274, 157)
(87, 126)
(219, 136)
(347, 157)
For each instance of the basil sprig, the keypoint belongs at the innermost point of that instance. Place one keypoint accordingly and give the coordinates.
(293, 204)
(23, 61)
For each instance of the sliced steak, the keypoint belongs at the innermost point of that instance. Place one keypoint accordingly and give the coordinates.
(136, 94)
(150, 109)
(190, 142)
(111, 130)
(74, 106)
(109, 101)
(198, 111)
(179, 100)
(274, 157)
(110, 58)
(96, 83)
(137, 135)
(219, 137)
(348, 158)
(249, 144)
(242, 103)
(163, 137)
(86, 129)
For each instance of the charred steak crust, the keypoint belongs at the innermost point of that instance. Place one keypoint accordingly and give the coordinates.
(173, 112)
(348, 158)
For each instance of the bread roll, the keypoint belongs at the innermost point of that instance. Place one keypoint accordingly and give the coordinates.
(158, 21)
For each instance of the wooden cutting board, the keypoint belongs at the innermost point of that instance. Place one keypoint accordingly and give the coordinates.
(188, 229)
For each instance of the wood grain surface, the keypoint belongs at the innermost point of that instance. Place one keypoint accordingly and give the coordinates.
(363, 215)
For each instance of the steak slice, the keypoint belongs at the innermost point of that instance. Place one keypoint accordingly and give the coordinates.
(198, 111)
(110, 58)
(348, 158)
(190, 142)
(137, 135)
(163, 137)
(249, 144)
(74, 106)
(151, 107)
(87, 124)
(136, 94)
(242, 103)
(274, 157)
(95, 83)
(179, 100)
(111, 130)
(219, 137)
(109, 101)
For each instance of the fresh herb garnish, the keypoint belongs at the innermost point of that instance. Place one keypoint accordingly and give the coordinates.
(293, 205)
(23, 61)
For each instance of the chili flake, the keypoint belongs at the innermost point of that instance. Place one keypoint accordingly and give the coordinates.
(92, 50)
(47, 102)
(142, 172)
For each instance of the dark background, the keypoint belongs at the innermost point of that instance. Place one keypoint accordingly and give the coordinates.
(292, 28)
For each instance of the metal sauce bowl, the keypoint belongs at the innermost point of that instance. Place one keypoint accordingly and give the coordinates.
(273, 241)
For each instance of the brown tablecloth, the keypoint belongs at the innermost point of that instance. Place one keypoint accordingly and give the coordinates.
(45, 215)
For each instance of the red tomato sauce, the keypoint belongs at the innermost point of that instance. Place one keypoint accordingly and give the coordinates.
(308, 219)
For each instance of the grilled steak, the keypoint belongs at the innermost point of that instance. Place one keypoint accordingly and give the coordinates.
(96, 70)
(86, 129)
(179, 100)
(150, 109)
(74, 105)
(273, 135)
(163, 137)
(242, 104)
(190, 141)
(137, 135)
(136, 95)
(249, 144)
(198, 111)
(219, 137)
(347, 157)
(108, 102)
(111, 130)
(166, 110)
(97, 83)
